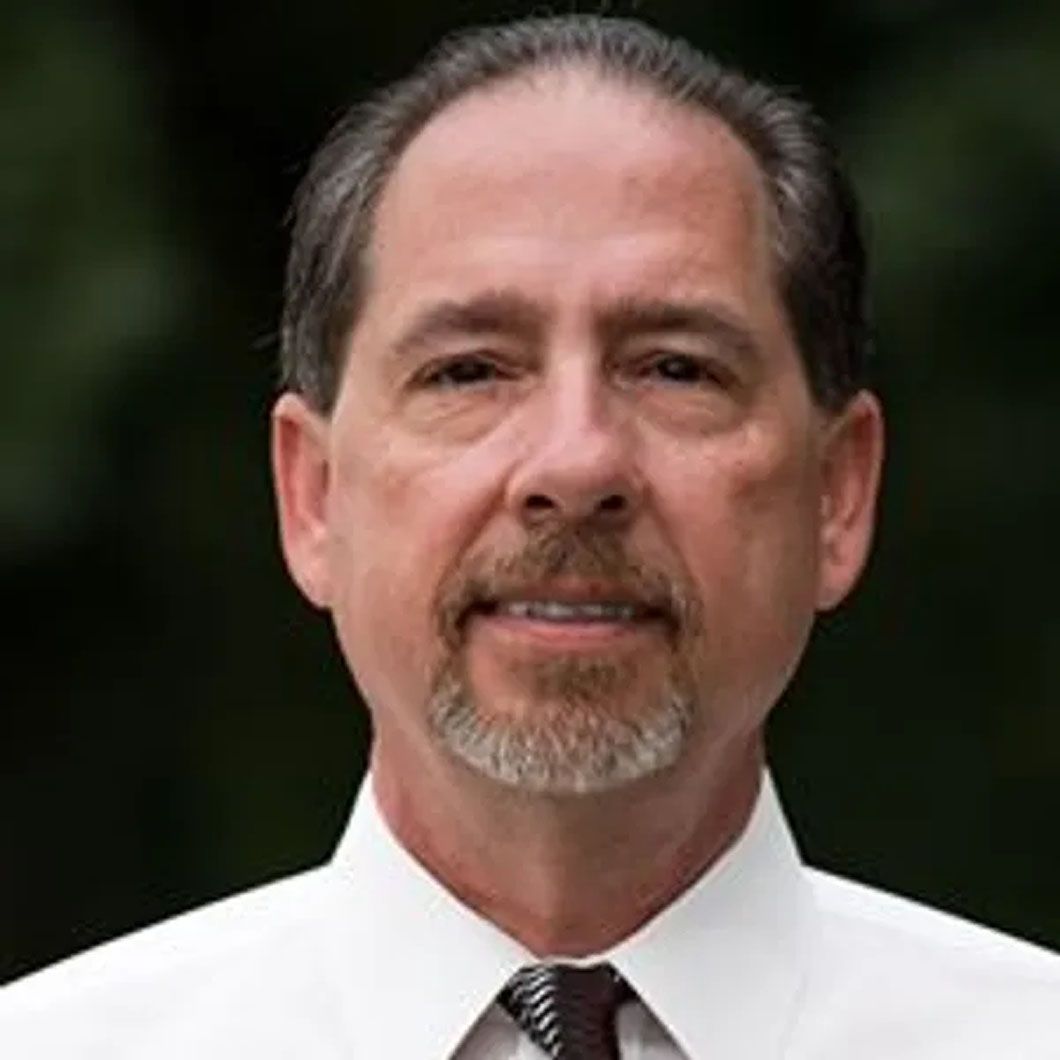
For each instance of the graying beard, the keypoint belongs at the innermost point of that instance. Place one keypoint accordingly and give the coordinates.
(577, 749)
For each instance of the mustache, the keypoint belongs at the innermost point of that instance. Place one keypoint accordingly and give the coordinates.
(563, 552)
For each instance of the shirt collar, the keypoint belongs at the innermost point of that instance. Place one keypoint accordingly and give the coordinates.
(421, 967)
(720, 968)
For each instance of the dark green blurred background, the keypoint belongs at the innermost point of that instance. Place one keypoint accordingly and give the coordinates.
(177, 725)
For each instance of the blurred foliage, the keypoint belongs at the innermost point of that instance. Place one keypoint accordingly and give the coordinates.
(92, 278)
(178, 724)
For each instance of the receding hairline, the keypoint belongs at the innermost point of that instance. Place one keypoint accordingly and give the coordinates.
(540, 72)
(546, 75)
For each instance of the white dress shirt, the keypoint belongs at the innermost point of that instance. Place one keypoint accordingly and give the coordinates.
(370, 958)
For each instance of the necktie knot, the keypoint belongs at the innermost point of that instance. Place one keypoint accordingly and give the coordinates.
(569, 1012)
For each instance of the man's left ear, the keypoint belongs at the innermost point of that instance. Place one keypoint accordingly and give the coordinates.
(852, 458)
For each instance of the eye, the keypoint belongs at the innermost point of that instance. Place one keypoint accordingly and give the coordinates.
(679, 368)
(461, 371)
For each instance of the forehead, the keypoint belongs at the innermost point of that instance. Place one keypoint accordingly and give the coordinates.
(571, 168)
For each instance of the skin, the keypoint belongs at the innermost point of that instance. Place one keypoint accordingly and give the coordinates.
(561, 202)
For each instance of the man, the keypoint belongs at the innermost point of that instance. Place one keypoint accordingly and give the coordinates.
(573, 447)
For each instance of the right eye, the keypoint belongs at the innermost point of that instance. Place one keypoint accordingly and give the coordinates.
(461, 371)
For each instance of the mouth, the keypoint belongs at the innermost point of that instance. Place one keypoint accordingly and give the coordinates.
(567, 617)
(566, 611)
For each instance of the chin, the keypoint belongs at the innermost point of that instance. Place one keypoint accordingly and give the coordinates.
(570, 734)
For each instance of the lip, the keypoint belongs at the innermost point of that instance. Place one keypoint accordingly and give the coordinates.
(523, 634)
(572, 591)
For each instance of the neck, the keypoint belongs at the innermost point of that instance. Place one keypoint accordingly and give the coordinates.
(567, 875)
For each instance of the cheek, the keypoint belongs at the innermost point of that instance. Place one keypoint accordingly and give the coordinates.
(745, 518)
(399, 521)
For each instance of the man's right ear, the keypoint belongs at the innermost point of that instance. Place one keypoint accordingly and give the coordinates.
(300, 474)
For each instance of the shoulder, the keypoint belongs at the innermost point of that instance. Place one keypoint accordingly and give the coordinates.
(146, 995)
(871, 913)
(940, 985)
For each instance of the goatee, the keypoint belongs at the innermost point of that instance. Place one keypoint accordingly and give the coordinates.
(582, 735)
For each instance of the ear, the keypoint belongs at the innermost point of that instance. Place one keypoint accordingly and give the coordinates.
(300, 474)
(852, 460)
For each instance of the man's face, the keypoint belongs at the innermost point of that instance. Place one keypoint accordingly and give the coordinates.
(574, 508)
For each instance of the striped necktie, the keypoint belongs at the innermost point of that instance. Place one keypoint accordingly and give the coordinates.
(568, 1012)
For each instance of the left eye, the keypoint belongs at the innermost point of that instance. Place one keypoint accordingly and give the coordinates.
(678, 368)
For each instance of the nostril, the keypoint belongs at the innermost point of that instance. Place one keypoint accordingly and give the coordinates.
(611, 507)
(538, 502)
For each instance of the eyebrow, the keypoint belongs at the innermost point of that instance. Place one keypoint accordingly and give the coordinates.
(638, 316)
(502, 312)
(488, 313)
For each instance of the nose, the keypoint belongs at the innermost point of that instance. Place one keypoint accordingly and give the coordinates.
(578, 465)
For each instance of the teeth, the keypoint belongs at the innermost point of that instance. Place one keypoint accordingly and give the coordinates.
(558, 611)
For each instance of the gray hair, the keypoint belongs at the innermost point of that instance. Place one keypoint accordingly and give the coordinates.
(818, 248)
